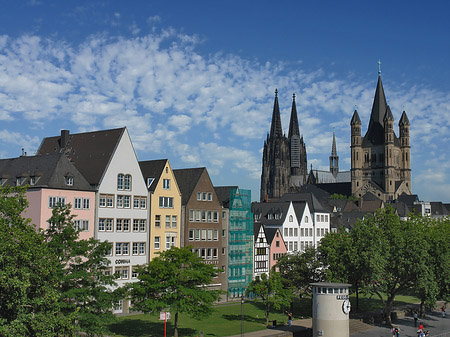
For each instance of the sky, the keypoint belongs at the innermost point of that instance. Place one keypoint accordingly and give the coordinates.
(194, 81)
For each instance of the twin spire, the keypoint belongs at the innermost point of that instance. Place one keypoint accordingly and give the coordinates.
(276, 130)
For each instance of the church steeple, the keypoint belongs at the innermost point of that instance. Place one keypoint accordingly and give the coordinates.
(379, 106)
(275, 129)
(334, 158)
(293, 124)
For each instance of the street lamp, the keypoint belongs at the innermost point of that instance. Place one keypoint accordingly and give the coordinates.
(242, 315)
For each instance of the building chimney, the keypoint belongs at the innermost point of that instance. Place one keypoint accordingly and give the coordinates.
(64, 138)
(266, 198)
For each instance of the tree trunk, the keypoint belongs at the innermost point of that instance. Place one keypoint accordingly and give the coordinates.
(357, 298)
(175, 331)
(388, 310)
(267, 314)
(421, 311)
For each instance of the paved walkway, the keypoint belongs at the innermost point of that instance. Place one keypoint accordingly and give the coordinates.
(433, 322)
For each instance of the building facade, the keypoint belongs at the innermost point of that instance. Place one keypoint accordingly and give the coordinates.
(380, 161)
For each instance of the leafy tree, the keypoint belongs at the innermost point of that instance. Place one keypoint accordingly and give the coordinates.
(84, 289)
(177, 280)
(29, 299)
(271, 291)
(300, 269)
(389, 255)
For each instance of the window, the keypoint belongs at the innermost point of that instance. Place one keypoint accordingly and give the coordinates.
(285, 232)
(135, 225)
(124, 182)
(105, 224)
(318, 231)
(118, 306)
(157, 242)
(170, 241)
(81, 225)
(119, 223)
(215, 235)
(126, 201)
(203, 216)
(119, 201)
(134, 273)
(290, 246)
(216, 216)
(210, 213)
(295, 231)
(209, 196)
(69, 180)
(302, 232)
(127, 182)
(157, 220)
(167, 221)
(142, 225)
(82, 203)
(197, 235)
(210, 233)
(120, 181)
(322, 218)
(174, 221)
(277, 243)
(54, 201)
(191, 215)
(291, 218)
(18, 181)
(198, 215)
(191, 235)
(199, 195)
(290, 232)
(122, 248)
(165, 202)
(138, 248)
(101, 225)
(306, 219)
(32, 181)
(122, 273)
(295, 245)
(310, 232)
(126, 225)
(139, 202)
(149, 181)
(109, 225)
(166, 184)
(224, 233)
(317, 218)
(260, 251)
(203, 234)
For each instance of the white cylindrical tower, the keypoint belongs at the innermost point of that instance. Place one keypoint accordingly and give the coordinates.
(331, 308)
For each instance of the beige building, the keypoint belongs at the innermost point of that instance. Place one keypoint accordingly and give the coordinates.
(164, 206)
(381, 161)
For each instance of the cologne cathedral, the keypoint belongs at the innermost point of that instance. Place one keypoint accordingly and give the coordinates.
(284, 158)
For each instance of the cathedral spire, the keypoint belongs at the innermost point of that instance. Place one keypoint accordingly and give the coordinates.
(379, 106)
(334, 158)
(275, 128)
(293, 124)
(333, 146)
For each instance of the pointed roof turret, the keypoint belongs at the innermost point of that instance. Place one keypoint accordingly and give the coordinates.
(293, 124)
(275, 128)
(404, 119)
(388, 115)
(355, 118)
(333, 147)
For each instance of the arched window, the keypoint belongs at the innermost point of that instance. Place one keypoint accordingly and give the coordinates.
(291, 218)
(306, 219)
(120, 181)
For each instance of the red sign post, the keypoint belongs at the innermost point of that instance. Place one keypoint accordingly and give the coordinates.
(164, 315)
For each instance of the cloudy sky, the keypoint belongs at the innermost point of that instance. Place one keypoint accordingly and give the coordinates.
(194, 81)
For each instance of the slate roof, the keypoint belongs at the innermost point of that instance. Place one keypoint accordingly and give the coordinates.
(50, 171)
(256, 228)
(262, 209)
(438, 208)
(187, 179)
(326, 177)
(90, 152)
(313, 202)
(375, 131)
(223, 193)
(270, 234)
(408, 199)
(152, 169)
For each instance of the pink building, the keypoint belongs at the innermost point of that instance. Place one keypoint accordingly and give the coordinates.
(277, 246)
(52, 179)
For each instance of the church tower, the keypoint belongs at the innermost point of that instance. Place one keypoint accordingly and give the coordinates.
(284, 164)
(334, 158)
(380, 160)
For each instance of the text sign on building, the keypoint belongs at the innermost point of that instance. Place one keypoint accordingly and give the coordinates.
(122, 261)
(342, 297)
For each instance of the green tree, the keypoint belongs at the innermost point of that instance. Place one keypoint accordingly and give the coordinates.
(176, 281)
(390, 255)
(29, 300)
(300, 269)
(84, 290)
(271, 291)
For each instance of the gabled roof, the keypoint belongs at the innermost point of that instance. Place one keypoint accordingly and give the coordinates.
(50, 171)
(270, 234)
(313, 202)
(299, 209)
(90, 152)
(256, 229)
(223, 193)
(266, 212)
(438, 208)
(408, 199)
(152, 169)
(187, 179)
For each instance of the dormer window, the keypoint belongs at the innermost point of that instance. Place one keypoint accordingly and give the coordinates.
(2, 180)
(18, 181)
(149, 181)
(32, 180)
(69, 180)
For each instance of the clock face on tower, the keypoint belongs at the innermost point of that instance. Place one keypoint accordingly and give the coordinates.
(346, 306)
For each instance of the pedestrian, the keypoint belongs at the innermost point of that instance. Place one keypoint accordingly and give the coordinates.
(443, 311)
(395, 332)
(421, 326)
(416, 317)
(290, 318)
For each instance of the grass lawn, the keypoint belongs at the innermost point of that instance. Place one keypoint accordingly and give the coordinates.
(225, 319)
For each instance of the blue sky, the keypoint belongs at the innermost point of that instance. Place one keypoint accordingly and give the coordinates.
(194, 81)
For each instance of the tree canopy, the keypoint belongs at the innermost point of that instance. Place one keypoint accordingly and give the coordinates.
(177, 281)
(271, 291)
(386, 255)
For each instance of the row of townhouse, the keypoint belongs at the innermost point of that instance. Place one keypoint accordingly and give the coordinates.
(142, 208)
(286, 226)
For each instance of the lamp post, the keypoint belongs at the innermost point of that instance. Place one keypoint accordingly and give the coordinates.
(242, 315)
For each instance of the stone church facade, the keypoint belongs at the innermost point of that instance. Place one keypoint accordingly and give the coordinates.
(284, 158)
(380, 161)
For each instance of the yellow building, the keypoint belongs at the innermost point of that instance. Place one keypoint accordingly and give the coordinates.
(164, 206)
